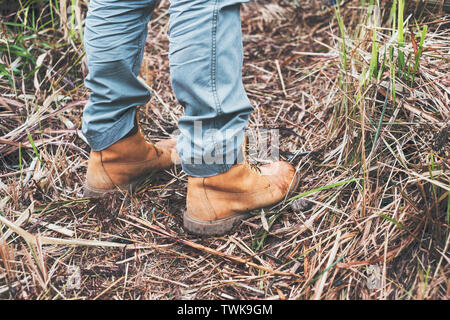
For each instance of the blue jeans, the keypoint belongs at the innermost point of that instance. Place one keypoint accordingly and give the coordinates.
(205, 59)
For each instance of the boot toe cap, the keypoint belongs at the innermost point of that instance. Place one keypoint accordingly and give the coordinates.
(282, 174)
(171, 146)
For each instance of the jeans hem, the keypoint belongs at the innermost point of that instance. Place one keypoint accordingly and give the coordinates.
(205, 170)
(212, 169)
(114, 133)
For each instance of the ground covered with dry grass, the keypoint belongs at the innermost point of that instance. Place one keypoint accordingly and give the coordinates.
(361, 105)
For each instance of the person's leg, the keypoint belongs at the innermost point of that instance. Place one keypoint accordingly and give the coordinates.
(115, 35)
(206, 65)
(120, 156)
(206, 56)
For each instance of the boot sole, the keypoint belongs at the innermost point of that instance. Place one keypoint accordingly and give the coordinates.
(90, 192)
(221, 226)
(212, 228)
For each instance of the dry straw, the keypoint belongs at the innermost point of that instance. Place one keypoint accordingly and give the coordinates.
(360, 96)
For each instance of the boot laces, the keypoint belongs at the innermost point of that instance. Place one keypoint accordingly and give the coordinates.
(252, 166)
(150, 142)
(255, 168)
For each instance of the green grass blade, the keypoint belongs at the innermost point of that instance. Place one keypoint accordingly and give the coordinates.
(30, 138)
(330, 186)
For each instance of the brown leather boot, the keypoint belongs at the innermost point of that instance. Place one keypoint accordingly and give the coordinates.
(215, 204)
(127, 163)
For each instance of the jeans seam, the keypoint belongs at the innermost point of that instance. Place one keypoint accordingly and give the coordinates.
(214, 58)
(136, 57)
(141, 42)
(214, 72)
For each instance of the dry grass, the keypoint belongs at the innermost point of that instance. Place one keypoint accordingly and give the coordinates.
(374, 194)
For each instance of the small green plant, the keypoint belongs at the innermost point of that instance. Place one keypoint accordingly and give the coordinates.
(400, 39)
(38, 28)
(418, 53)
